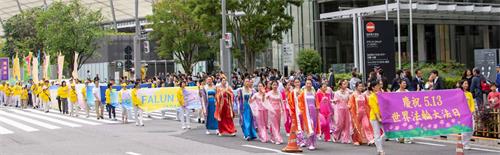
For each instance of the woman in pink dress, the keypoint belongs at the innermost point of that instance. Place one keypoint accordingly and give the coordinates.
(260, 112)
(309, 112)
(325, 110)
(273, 98)
(360, 112)
(342, 133)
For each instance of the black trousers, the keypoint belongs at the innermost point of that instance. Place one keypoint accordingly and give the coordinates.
(111, 110)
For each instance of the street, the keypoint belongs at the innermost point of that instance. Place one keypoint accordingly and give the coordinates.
(31, 132)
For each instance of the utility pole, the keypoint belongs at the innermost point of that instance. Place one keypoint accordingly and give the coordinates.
(225, 55)
(137, 45)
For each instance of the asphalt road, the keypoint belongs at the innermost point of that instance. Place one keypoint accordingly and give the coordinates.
(29, 132)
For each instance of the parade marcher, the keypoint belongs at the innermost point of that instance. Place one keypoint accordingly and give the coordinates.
(45, 96)
(360, 113)
(125, 100)
(286, 107)
(84, 95)
(109, 106)
(224, 111)
(402, 88)
(184, 111)
(342, 133)
(260, 112)
(210, 107)
(137, 103)
(24, 97)
(73, 99)
(375, 118)
(324, 97)
(466, 136)
(99, 107)
(274, 106)
(245, 110)
(309, 111)
(62, 92)
(2, 94)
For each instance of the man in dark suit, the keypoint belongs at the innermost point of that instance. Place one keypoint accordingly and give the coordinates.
(417, 81)
(438, 81)
(331, 79)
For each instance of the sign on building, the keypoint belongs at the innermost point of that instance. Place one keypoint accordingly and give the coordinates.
(287, 54)
(486, 61)
(379, 47)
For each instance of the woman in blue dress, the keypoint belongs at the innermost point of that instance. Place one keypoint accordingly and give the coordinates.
(209, 96)
(246, 117)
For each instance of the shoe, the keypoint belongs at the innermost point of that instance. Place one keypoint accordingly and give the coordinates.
(311, 148)
(199, 120)
(188, 127)
(356, 144)
(183, 127)
(277, 143)
(302, 145)
(381, 153)
(208, 132)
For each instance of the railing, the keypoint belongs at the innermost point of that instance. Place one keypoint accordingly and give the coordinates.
(487, 122)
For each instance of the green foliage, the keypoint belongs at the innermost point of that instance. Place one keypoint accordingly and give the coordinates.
(451, 72)
(182, 32)
(342, 76)
(265, 21)
(70, 28)
(309, 61)
(21, 33)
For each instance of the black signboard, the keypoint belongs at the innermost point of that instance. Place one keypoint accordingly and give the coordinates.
(486, 61)
(379, 47)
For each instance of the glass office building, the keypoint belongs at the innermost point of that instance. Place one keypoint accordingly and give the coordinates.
(443, 31)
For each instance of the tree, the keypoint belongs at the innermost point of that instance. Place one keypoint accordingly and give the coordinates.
(21, 33)
(265, 21)
(309, 61)
(183, 31)
(70, 28)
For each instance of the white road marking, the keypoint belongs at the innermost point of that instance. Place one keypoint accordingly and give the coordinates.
(29, 120)
(132, 153)
(17, 125)
(269, 149)
(66, 118)
(432, 144)
(46, 118)
(4, 131)
(487, 150)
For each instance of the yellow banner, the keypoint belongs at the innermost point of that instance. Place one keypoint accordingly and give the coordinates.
(155, 99)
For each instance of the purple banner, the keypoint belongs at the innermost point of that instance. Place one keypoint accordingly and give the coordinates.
(426, 113)
(4, 68)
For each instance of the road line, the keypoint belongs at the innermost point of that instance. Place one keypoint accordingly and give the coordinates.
(17, 125)
(487, 150)
(269, 149)
(4, 131)
(46, 118)
(118, 115)
(66, 117)
(132, 153)
(432, 144)
(29, 120)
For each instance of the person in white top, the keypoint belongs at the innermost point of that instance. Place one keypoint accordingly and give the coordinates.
(99, 108)
(402, 88)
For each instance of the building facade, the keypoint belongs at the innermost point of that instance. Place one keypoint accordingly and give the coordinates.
(443, 31)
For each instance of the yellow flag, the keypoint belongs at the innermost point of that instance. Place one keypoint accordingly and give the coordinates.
(16, 68)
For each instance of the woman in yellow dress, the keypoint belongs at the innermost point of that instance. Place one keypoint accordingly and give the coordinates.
(137, 103)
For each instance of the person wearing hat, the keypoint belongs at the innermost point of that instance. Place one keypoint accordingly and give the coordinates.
(109, 107)
(16, 94)
(73, 99)
(84, 98)
(24, 97)
(45, 97)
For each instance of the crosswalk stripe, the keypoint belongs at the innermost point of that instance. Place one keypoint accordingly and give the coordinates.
(118, 114)
(46, 118)
(29, 120)
(66, 118)
(4, 131)
(17, 125)
(93, 117)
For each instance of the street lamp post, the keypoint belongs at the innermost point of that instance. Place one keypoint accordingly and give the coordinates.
(225, 53)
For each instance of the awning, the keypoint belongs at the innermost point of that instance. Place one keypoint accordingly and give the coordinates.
(425, 10)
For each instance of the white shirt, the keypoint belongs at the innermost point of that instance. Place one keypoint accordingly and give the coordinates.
(97, 93)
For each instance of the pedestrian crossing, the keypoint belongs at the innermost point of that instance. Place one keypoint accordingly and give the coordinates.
(13, 120)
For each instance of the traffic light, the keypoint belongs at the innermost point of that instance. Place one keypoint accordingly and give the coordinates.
(128, 58)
